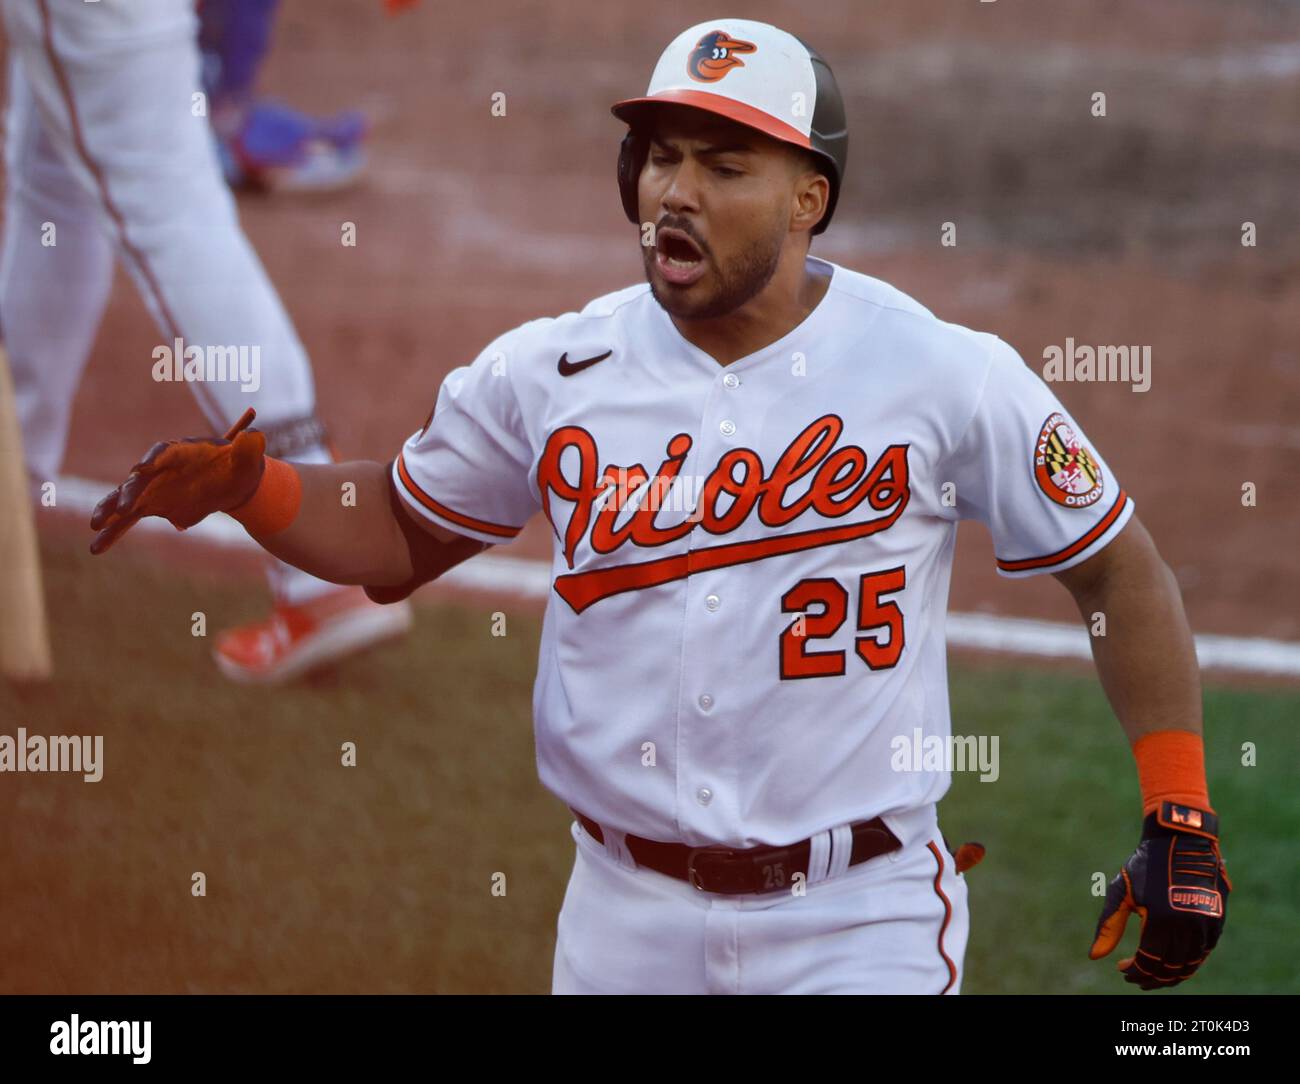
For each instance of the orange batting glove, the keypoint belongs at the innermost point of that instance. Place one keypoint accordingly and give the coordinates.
(183, 481)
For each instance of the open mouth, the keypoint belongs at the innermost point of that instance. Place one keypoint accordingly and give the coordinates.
(679, 258)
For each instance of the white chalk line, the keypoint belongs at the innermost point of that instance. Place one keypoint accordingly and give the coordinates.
(528, 578)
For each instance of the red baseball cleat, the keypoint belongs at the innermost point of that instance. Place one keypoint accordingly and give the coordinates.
(296, 639)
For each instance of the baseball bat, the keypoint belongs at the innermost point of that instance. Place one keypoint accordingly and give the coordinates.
(24, 633)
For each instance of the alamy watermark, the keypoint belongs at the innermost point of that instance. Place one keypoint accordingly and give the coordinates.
(632, 490)
(211, 364)
(1102, 364)
(921, 752)
(80, 753)
(78, 1036)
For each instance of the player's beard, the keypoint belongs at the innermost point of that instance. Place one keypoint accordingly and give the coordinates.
(741, 279)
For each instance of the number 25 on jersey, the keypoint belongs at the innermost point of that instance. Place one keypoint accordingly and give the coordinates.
(880, 619)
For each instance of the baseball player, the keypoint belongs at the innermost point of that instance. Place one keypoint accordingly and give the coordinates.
(107, 156)
(754, 466)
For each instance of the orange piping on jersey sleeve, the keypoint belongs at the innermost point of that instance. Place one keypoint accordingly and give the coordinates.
(1074, 547)
(438, 508)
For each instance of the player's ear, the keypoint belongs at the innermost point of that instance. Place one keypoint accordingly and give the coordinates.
(808, 201)
(810, 191)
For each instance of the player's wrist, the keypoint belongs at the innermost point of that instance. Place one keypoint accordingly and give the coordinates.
(1171, 773)
(274, 503)
(1174, 818)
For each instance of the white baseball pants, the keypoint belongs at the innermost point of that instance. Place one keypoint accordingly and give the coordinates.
(896, 924)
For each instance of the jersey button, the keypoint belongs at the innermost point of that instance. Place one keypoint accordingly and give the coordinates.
(704, 796)
(712, 603)
(731, 380)
(706, 701)
(727, 428)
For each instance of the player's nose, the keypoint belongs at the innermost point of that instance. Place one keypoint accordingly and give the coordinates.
(682, 194)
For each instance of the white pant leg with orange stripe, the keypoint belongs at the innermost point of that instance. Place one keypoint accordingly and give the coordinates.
(102, 131)
(896, 924)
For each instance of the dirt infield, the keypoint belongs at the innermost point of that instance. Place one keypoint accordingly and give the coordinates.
(1122, 230)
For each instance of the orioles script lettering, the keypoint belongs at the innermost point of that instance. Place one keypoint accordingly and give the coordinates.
(839, 480)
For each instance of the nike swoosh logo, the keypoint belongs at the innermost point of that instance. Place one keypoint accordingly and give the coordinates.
(568, 368)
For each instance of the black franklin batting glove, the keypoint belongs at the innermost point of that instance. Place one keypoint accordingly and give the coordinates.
(1177, 882)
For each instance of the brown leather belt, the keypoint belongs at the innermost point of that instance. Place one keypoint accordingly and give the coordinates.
(733, 871)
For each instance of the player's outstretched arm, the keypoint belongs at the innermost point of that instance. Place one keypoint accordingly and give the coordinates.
(337, 521)
(1175, 880)
(389, 554)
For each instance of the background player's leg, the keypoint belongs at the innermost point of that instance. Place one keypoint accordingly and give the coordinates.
(116, 84)
(56, 272)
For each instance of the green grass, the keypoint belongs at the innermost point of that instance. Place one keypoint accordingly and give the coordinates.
(1067, 806)
(378, 878)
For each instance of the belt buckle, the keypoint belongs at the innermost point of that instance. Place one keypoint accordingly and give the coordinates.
(694, 875)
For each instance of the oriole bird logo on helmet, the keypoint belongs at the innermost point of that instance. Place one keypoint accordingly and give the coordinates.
(715, 55)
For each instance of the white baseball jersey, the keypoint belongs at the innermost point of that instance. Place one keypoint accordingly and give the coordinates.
(751, 562)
